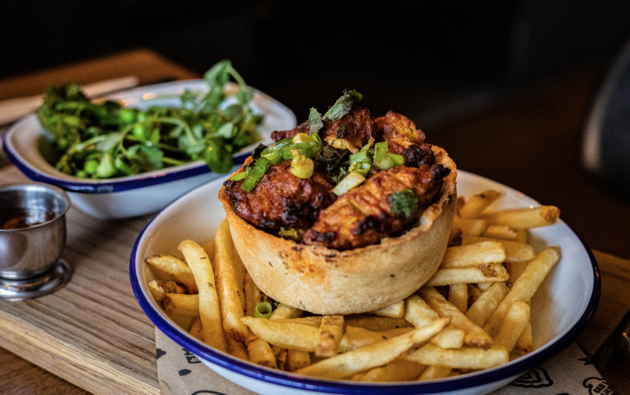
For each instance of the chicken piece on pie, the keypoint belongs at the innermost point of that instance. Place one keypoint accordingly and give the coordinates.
(385, 205)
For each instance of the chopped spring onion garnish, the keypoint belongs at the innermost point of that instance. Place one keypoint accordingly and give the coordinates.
(263, 310)
(399, 160)
(343, 105)
(315, 121)
(302, 138)
(301, 166)
(240, 176)
(351, 181)
(385, 163)
(380, 151)
(253, 178)
(361, 168)
(272, 155)
(293, 234)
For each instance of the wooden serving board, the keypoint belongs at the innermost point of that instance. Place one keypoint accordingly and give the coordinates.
(94, 334)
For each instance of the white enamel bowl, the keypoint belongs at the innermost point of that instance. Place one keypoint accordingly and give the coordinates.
(561, 308)
(25, 145)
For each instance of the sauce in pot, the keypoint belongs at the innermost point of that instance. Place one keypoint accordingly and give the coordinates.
(18, 218)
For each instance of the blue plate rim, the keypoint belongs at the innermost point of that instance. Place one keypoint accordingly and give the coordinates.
(311, 384)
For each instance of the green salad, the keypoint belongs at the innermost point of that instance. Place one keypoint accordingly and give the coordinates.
(107, 140)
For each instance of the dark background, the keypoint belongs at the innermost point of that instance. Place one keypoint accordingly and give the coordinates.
(440, 63)
(432, 61)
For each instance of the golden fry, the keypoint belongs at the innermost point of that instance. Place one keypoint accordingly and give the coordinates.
(524, 288)
(330, 333)
(252, 295)
(260, 353)
(473, 294)
(237, 349)
(500, 232)
(514, 251)
(473, 255)
(482, 309)
(314, 321)
(475, 336)
(176, 268)
(378, 354)
(515, 269)
(283, 334)
(484, 286)
(227, 284)
(524, 218)
(297, 360)
(209, 310)
(418, 312)
(525, 343)
(463, 358)
(281, 355)
(435, 372)
(181, 304)
(483, 273)
(284, 312)
(449, 338)
(477, 203)
(376, 323)
(396, 310)
(513, 325)
(196, 330)
(522, 235)
(159, 289)
(458, 296)
(397, 370)
(471, 226)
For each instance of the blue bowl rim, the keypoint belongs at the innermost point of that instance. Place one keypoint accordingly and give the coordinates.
(346, 387)
(120, 184)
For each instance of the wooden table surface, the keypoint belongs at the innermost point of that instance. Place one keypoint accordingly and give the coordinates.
(125, 358)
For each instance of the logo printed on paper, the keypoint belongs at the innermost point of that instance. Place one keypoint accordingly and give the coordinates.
(207, 392)
(184, 372)
(190, 357)
(159, 353)
(534, 378)
(597, 386)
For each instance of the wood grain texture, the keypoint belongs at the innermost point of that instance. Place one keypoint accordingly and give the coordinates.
(93, 332)
(145, 64)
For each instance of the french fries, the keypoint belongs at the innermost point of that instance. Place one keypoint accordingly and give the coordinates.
(283, 312)
(515, 251)
(228, 285)
(176, 268)
(397, 370)
(525, 218)
(471, 226)
(473, 255)
(501, 232)
(516, 319)
(330, 333)
(474, 322)
(467, 275)
(463, 358)
(297, 359)
(378, 354)
(482, 309)
(458, 296)
(209, 310)
(524, 288)
(475, 336)
(196, 330)
(435, 372)
(159, 289)
(396, 310)
(477, 203)
(181, 305)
